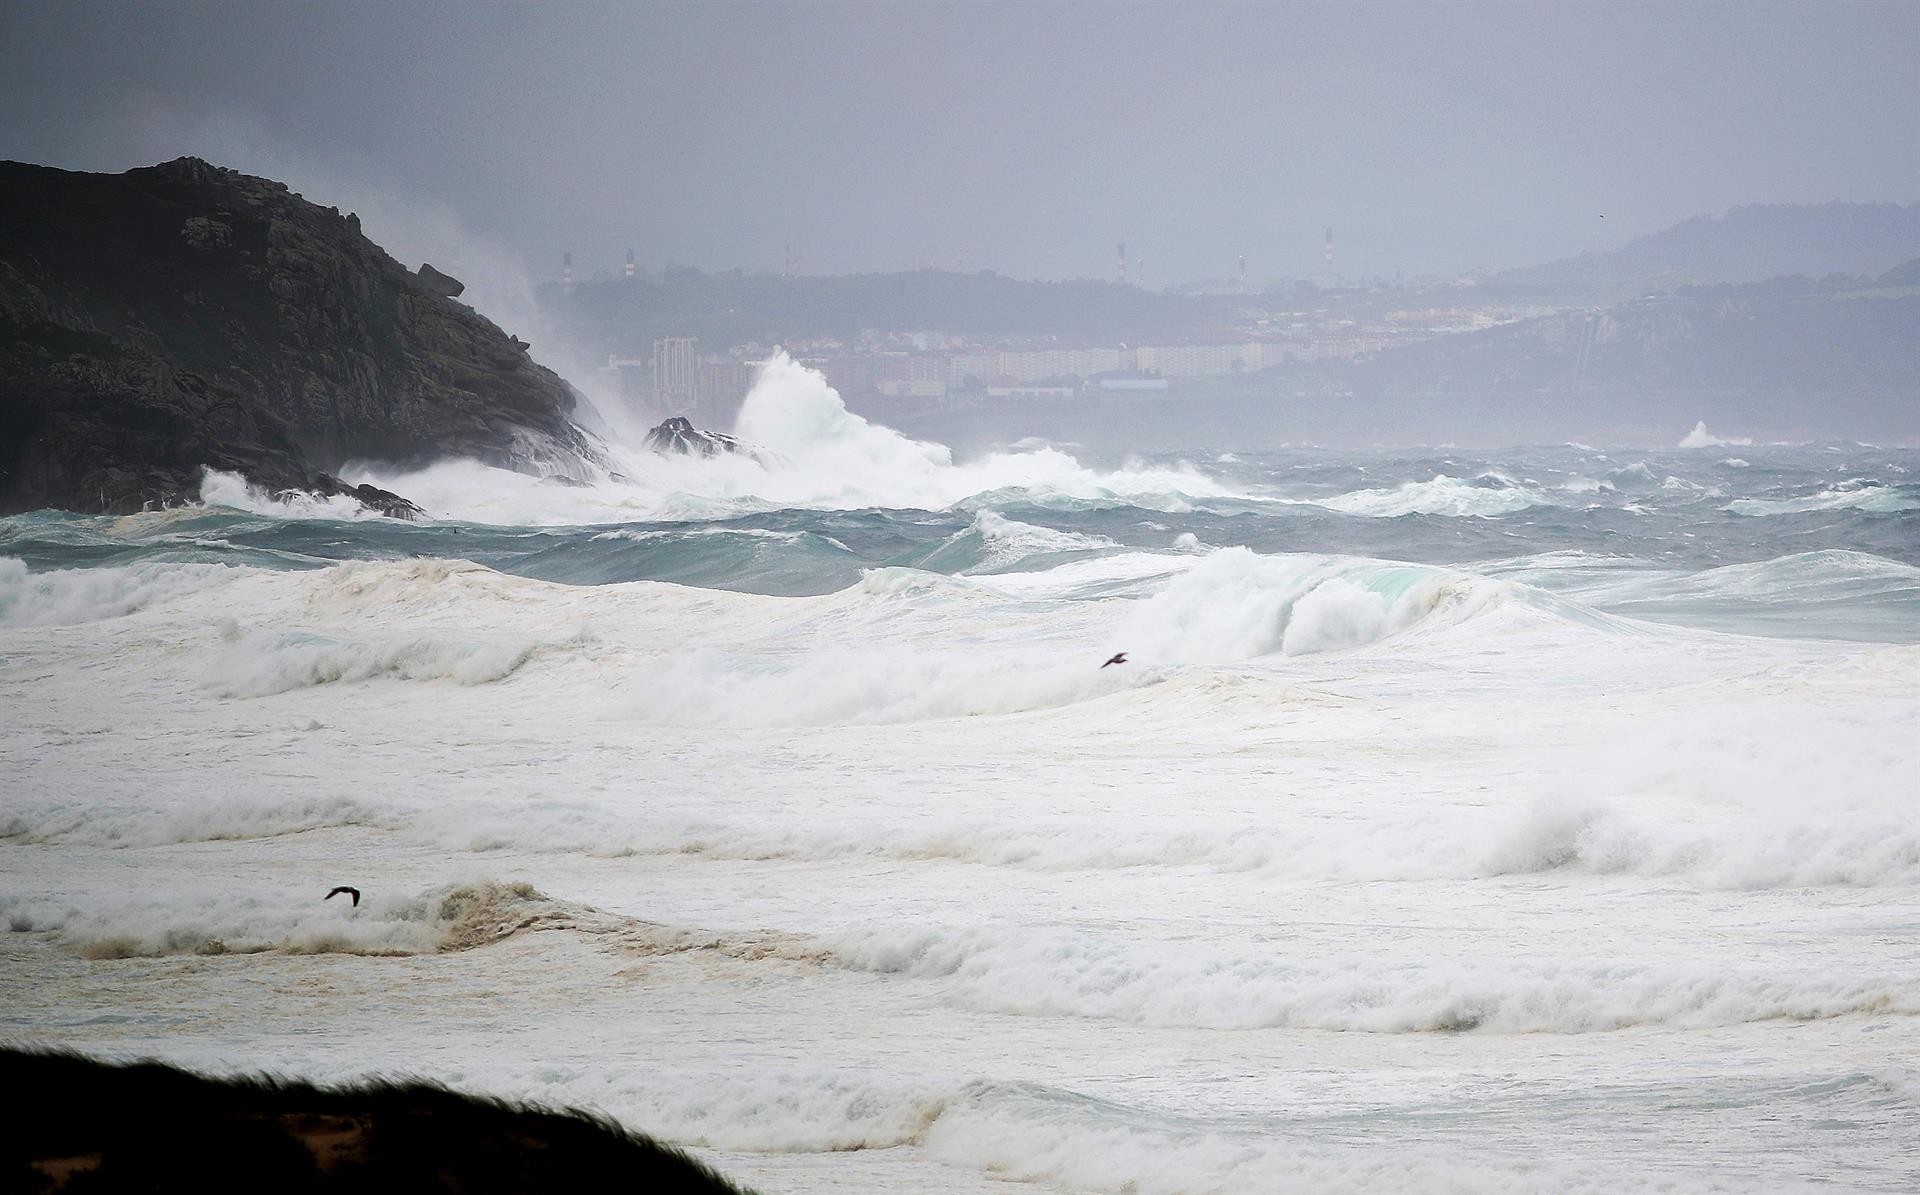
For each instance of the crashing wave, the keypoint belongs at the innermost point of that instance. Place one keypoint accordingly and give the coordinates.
(64, 597)
(450, 918)
(811, 452)
(1868, 496)
(1444, 495)
(1700, 437)
(263, 663)
(1062, 973)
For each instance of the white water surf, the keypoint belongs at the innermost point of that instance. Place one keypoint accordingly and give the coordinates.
(1361, 875)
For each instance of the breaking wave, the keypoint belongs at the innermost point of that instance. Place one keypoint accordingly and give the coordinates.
(1238, 605)
(1700, 437)
(221, 819)
(1864, 847)
(1862, 495)
(995, 543)
(452, 917)
(1231, 606)
(1447, 496)
(235, 492)
(820, 456)
(1176, 984)
(261, 663)
(64, 597)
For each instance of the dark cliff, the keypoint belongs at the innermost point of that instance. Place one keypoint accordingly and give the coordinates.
(184, 316)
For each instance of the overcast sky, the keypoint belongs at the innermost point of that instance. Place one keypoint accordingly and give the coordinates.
(1026, 138)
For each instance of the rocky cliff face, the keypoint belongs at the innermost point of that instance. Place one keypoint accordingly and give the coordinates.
(179, 317)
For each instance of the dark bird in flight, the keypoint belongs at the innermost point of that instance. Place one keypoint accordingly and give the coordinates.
(353, 892)
(1119, 657)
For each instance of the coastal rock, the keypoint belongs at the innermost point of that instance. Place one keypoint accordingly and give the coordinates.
(182, 317)
(326, 485)
(203, 233)
(436, 281)
(679, 437)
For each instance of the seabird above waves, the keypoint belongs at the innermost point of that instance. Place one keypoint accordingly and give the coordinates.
(353, 892)
(1119, 657)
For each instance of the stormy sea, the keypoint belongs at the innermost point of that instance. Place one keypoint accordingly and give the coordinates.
(1536, 820)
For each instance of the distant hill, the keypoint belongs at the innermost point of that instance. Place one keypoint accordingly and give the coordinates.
(1907, 273)
(1787, 357)
(1747, 244)
(618, 315)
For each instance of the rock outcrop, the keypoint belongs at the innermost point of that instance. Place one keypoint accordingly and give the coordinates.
(181, 317)
(679, 437)
(439, 283)
(326, 485)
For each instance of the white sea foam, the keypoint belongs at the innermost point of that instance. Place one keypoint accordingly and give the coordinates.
(1867, 496)
(1830, 576)
(1074, 1141)
(214, 922)
(627, 533)
(1236, 605)
(1032, 1132)
(1449, 496)
(858, 686)
(229, 818)
(261, 663)
(1232, 605)
(1346, 846)
(1749, 849)
(1862, 848)
(1176, 984)
(63, 597)
(1009, 541)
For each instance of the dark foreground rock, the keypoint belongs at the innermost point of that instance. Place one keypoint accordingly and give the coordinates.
(89, 1128)
(182, 316)
(679, 437)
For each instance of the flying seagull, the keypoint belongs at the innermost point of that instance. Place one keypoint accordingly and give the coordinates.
(353, 892)
(1119, 657)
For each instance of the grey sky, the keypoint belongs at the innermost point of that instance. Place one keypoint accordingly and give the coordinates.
(1024, 138)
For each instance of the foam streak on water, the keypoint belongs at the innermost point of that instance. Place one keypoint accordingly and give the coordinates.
(1539, 820)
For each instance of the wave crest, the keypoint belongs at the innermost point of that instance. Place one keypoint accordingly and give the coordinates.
(1444, 495)
(64, 597)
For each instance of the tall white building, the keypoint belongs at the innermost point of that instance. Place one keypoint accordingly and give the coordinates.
(676, 375)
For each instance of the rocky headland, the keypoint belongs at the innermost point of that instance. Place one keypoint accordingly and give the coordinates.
(181, 317)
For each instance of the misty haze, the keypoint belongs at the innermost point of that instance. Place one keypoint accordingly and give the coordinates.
(960, 597)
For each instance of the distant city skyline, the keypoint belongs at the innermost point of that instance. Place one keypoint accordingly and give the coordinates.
(838, 138)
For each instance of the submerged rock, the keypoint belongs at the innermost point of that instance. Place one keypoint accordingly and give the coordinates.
(182, 317)
(678, 436)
